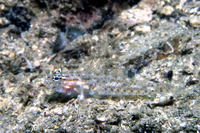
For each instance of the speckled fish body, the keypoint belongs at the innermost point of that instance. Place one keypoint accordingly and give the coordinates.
(100, 85)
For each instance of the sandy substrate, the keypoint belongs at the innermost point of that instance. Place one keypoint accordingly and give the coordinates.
(153, 41)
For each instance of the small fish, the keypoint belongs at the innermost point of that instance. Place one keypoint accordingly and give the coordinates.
(88, 84)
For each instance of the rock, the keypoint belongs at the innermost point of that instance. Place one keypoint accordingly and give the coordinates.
(194, 21)
(4, 21)
(58, 111)
(5, 103)
(167, 10)
(163, 100)
(34, 47)
(142, 28)
(36, 63)
(95, 38)
(132, 16)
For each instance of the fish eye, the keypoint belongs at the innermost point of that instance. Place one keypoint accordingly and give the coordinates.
(57, 75)
(56, 78)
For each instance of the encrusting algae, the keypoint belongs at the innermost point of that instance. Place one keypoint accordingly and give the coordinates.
(88, 84)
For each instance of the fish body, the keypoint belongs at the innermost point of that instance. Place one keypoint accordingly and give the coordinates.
(88, 84)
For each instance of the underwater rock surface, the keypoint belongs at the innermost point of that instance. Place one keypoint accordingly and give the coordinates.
(146, 69)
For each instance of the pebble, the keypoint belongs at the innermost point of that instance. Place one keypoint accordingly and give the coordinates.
(58, 111)
(34, 47)
(163, 100)
(2, 7)
(4, 21)
(132, 16)
(9, 90)
(194, 21)
(143, 28)
(5, 52)
(197, 127)
(95, 38)
(115, 32)
(36, 63)
(12, 55)
(32, 110)
(183, 124)
(101, 118)
(167, 10)
(8, 87)
(5, 103)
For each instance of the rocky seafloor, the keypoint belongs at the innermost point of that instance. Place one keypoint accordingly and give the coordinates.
(149, 40)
